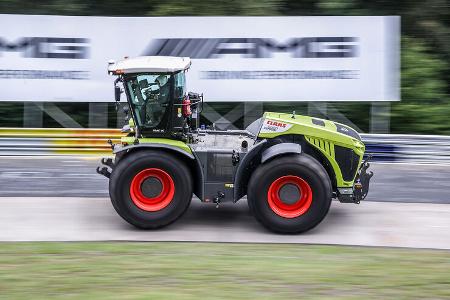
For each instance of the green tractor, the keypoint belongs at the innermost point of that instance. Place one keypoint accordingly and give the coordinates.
(289, 166)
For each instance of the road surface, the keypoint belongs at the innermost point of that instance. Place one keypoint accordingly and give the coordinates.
(93, 219)
(76, 177)
(63, 199)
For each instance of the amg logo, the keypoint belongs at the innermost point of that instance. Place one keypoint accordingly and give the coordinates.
(307, 47)
(47, 47)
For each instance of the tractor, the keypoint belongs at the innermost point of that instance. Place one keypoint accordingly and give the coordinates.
(289, 167)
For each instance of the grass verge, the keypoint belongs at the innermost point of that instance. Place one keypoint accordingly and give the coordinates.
(219, 271)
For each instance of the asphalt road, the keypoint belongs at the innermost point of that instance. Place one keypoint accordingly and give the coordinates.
(63, 199)
(76, 177)
(418, 225)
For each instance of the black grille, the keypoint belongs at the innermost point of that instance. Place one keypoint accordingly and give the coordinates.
(347, 131)
(347, 160)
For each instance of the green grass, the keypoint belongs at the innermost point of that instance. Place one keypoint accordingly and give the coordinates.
(219, 271)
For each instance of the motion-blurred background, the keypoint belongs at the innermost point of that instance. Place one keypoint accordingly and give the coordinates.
(425, 44)
(381, 67)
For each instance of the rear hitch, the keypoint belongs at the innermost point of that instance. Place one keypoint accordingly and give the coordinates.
(103, 171)
(107, 161)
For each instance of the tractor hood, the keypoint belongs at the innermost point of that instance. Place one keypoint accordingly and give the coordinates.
(275, 124)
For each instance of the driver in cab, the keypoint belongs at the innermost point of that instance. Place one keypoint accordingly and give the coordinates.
(162, 80)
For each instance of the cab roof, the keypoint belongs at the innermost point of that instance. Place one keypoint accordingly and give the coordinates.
(141, 64)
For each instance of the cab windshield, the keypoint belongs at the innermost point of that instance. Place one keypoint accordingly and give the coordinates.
(150, 96)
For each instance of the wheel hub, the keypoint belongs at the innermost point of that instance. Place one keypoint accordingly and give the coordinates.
(289, 193)
(152, 189)
(289, 196)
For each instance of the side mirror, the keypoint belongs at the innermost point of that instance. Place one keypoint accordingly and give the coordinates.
(117, 93)
(179, 92)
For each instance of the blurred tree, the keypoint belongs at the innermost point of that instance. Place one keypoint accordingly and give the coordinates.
(44, 7)
(11, 114)
(421, 73)
(143, 7)
(217, 8)
(425, 106)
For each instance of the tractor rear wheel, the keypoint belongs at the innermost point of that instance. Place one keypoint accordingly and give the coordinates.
(290, 194)
(150, 189)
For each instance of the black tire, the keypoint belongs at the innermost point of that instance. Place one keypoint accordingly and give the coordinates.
(121, 180)
(302, 166)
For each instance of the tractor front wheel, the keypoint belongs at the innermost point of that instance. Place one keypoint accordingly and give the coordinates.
(150, 189)
(290, 194)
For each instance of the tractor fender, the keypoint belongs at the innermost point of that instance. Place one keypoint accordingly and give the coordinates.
(192, 162)
(279, 149)
(155, 146)
(256, 156)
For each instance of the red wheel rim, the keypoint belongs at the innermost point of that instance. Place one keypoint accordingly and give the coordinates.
(152, 203)
(285, 210)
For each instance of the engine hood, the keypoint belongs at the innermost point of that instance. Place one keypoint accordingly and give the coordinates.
(275, 124)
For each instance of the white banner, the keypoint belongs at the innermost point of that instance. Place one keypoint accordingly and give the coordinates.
(64, 58)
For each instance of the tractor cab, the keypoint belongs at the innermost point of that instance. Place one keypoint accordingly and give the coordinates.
(155, 88)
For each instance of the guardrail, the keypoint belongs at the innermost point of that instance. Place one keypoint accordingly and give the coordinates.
(64, 141)
(57, 141)
(405, 147)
